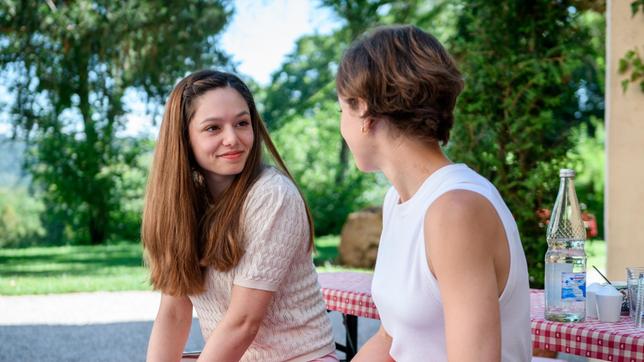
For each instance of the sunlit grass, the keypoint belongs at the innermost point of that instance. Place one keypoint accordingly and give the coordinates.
(326, 259)
(326, 250)
(116, 267)
(119, 267)
(63, 269)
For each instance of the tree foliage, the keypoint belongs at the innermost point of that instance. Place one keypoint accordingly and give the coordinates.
(69, 66)
(310, 146)
(19, 222)
(589, 159)
(531, 79)
(631, 64)
(298, 101)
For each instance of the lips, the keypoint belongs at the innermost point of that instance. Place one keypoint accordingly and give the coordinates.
(232, 155)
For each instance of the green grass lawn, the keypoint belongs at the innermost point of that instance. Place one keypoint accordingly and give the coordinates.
(65, 269)
(326, 248)
(118, 267)
(45, 270)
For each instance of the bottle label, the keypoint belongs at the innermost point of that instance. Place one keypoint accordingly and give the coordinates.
(573, 286)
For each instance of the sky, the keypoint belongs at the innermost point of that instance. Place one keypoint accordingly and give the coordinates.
(258, 37)
(263, 32)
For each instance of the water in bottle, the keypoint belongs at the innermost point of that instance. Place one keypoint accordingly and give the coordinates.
(565, 274)
(639, 308)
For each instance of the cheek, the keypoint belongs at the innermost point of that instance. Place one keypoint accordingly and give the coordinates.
(202, 146)
(248, 139)
(344, 126)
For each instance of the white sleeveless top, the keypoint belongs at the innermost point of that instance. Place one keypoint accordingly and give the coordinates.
(406, 292)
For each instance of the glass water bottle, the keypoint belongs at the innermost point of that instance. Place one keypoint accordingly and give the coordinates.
(565, 279)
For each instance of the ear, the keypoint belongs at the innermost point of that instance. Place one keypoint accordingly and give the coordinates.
(361, 106)
(367, 124)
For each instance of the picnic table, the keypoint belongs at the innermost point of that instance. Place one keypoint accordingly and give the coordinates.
(350, 294)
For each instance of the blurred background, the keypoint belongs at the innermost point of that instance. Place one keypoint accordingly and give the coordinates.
(84, 84)
(82, 89)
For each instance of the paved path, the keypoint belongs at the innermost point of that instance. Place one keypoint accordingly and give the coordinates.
(102, 326)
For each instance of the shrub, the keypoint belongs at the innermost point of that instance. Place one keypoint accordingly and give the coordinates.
(310, 146)
(19, 218)
(527, 65)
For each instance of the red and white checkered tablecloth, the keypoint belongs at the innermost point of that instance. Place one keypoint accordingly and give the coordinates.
(350, 293)
(620, 341)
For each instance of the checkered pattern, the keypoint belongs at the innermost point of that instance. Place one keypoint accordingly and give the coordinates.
(620, 341)
(350, 293)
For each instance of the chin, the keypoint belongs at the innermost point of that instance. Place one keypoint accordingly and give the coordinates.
(234, 172)
(366, 167)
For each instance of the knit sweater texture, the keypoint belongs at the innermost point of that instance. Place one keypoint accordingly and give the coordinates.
(276, 259)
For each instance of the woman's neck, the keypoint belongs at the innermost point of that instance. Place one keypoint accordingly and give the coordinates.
(410, 164)
(217, 184)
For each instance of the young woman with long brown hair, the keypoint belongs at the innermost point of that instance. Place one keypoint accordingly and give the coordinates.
(228, 235)
(451, 281)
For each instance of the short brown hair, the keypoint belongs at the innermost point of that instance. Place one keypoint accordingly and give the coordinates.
(184, 230)
(405, 76)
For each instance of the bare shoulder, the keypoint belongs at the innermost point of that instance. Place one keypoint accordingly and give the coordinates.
(459, 206)
(460, 224)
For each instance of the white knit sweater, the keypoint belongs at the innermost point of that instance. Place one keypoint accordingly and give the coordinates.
(296, 327)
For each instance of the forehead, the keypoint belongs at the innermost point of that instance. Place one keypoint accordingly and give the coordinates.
(220, 103)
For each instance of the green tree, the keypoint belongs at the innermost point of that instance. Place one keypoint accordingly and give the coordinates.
(69, 65)
(19, 222)
(526, 65)
(302, 92)
(309, 145)
(589, 159)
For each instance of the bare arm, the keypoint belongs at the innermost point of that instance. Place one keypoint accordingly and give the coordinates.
(464, 234)
(171, 329)
(376, 349)
(238, 328)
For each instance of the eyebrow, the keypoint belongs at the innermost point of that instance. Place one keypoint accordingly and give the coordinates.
(209, 119)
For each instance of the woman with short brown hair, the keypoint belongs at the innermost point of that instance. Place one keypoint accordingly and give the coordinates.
(451, 281)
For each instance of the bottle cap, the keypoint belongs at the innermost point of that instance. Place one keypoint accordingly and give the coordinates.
(566, 172)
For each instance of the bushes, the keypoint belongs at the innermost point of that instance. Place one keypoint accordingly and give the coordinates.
(19, 218)
(589, 160)
(39, 217)
(310, 148)
(531, 80)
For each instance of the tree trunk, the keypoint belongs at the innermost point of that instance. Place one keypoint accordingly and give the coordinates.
(93, 195)
(343, 163)
(97, 230)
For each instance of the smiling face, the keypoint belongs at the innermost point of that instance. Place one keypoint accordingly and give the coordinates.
(221, 136)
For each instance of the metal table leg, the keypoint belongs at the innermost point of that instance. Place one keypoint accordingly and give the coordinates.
(351, 327)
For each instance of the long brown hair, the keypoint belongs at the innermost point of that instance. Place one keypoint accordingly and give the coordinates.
(184, 229)
(406, 77)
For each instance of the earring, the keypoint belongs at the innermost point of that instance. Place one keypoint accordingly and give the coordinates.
(364, 129)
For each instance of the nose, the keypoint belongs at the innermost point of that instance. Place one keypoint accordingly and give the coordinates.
(230, 136)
